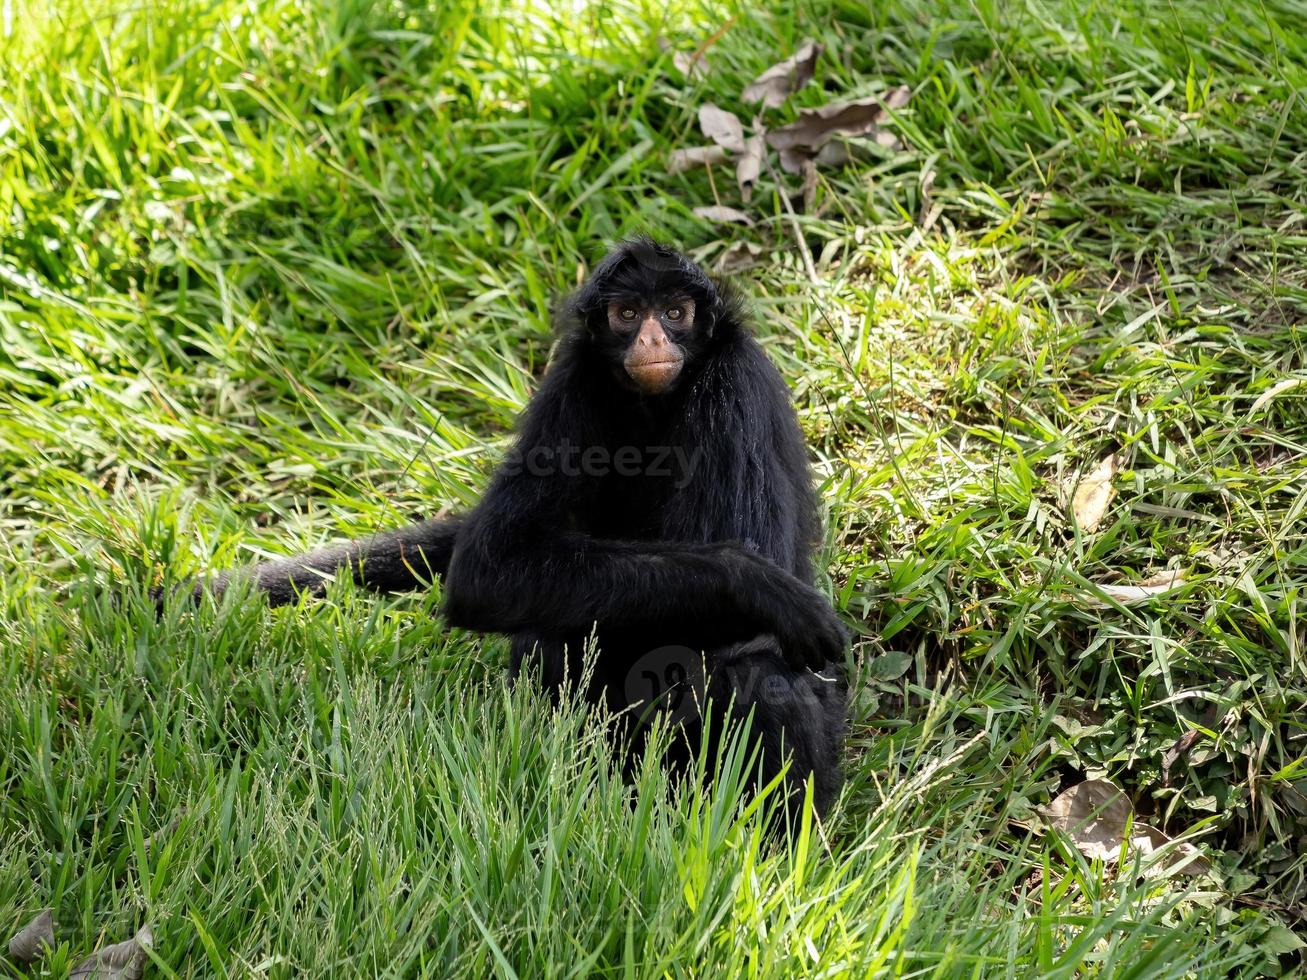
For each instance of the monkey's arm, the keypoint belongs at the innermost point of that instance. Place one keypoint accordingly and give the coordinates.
(401, 560)
(510, 575)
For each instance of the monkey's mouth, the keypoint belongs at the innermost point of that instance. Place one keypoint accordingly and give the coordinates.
(655, 376)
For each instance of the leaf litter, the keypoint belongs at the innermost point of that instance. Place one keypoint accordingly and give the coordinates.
(31, 942)
(1091, 496)
(832, 135)
(1097, 817)
(121, 961)
(778, 82)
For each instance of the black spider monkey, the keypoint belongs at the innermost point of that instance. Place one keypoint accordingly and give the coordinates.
(658, 503)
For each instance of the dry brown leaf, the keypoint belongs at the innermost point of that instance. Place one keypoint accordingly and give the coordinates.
(691, 65)
(839, 152)
(825, 133)
(1176, 752)
(722, 127)
(121, 961)
(792, 160)
(724, 215)
(1093, 494)
(775, 85)
(815, 127)
(897, 98)
(1126, 594)
(1095, 815)
(694, 156)
(749, 168)
(1168, 856)
(31, 941)
(836, 153)
(737, 258)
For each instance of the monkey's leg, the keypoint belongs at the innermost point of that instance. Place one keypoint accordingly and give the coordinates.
(555, 664)
(797, 715)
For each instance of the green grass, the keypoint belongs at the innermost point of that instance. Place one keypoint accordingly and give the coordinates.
(278, 273)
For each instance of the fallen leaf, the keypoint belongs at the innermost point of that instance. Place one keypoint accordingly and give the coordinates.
(835, 154)
(792, 160)
(775, 85)
(898, 98)
(1095, 815)
(804, 138)
(121, 961)
(750, 165)
(1177, 751)
(722, 127)
(840, 152)
(737, 258)
(1169, 856)
(694, 156)
(815, 126)
(724, 215)
(1093, 494)
(1126, 594)
(690, 64)
(31, 941)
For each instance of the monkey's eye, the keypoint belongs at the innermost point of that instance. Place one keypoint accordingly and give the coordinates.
(627, 314)
(675, 313)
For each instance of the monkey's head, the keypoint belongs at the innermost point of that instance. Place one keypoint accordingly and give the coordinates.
(652, 312)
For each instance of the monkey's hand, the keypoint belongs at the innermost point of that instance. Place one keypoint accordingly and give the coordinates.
(811, 635)
(810, 632)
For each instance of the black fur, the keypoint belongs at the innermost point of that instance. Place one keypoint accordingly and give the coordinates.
(704, 545)
(400, 560)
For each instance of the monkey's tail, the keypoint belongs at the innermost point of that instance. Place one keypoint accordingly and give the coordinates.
(402, 560)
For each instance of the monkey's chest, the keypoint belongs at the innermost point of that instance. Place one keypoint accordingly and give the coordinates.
(637, 493)
(632, 508)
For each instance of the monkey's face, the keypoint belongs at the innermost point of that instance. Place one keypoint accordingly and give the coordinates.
(654, 334)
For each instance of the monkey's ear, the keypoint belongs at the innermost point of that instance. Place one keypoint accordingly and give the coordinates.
(710, 321)
(576, 309)
(716, 305)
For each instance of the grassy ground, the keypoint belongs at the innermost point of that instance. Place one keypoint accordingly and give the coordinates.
(272, 274)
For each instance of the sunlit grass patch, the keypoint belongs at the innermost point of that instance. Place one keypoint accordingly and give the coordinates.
(276, 273)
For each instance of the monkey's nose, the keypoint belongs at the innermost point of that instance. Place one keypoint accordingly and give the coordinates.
(651, 334)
